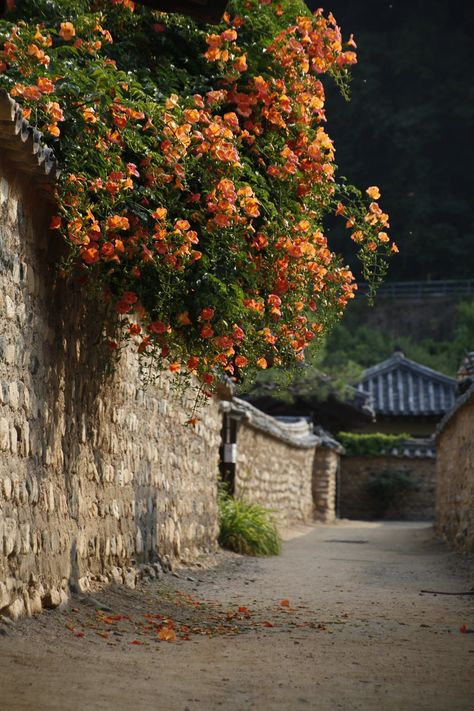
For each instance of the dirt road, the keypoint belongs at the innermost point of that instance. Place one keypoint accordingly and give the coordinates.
(337, 622)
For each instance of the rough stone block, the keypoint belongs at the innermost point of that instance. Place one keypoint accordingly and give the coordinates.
(13, 395)
(130, 578)
(10, 353)
(10, 530)
(35, 601)
(4, 389)
(13, 440)
(9, 308)
(4, 596)
(7, 488)
(116, 575)
(84, 584)
(16, 609)
(4, 434)
(51, 599)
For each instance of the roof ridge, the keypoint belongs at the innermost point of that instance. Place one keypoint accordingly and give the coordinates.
(403, 360)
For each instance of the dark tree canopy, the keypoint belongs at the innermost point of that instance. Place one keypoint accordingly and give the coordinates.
(413, 88)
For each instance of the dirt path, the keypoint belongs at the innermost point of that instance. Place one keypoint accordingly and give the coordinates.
(356, 634)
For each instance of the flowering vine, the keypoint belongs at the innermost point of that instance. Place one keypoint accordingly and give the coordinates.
(197, 173)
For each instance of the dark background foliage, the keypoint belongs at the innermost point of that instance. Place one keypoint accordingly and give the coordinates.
(409, 127)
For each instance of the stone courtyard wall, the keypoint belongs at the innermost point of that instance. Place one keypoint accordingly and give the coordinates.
(274, 464)
(325, 477)
(455, 475)
(417, 504)
(96, 474)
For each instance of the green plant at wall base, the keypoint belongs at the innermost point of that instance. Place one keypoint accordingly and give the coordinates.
(196, 173)
(388, 486)
(247, 528)
(370, 445)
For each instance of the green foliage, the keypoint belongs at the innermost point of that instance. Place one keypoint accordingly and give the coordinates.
(369, 445)
(302, 384)
(354, 344)
(247, 528)
(386, 488)
(354, 341)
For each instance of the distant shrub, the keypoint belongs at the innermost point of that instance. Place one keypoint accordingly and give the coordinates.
(388, 486)
(370, 445)
(247, 528)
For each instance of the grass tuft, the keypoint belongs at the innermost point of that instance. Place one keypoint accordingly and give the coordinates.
(247, 528)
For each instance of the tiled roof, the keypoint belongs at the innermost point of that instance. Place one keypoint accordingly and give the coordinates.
(399, 386)
(21, 144)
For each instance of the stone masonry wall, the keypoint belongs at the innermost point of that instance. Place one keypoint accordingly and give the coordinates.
(275, 474)
(96, 475)
(416, 504)
(455, 476)
(325, 469)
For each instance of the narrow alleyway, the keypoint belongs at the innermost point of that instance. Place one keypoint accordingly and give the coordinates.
(337, 622)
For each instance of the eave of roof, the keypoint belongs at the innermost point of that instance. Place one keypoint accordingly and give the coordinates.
(21, 144)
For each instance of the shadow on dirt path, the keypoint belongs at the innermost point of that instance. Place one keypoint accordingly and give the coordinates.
(336, 622)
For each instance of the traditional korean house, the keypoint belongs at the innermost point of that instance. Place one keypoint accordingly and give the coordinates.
(410, 398)
(406, 396)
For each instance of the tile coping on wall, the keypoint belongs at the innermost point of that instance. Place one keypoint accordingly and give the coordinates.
(407, 449)
(328, 441)
(297, 433)
(467, 397)
(22, 144)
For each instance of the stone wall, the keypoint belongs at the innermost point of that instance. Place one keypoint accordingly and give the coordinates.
(417, 504)
(274, 463)
(325, 477)
(455, 475)
(96, 474)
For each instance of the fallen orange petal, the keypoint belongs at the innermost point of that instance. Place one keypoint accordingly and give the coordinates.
(167, 634)
(285, 603)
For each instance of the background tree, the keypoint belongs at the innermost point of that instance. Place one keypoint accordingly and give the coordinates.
(413, 86)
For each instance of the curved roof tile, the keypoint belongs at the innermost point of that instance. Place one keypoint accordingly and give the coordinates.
(399, 386)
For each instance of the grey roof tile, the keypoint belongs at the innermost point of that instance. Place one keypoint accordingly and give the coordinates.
(400, 386)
